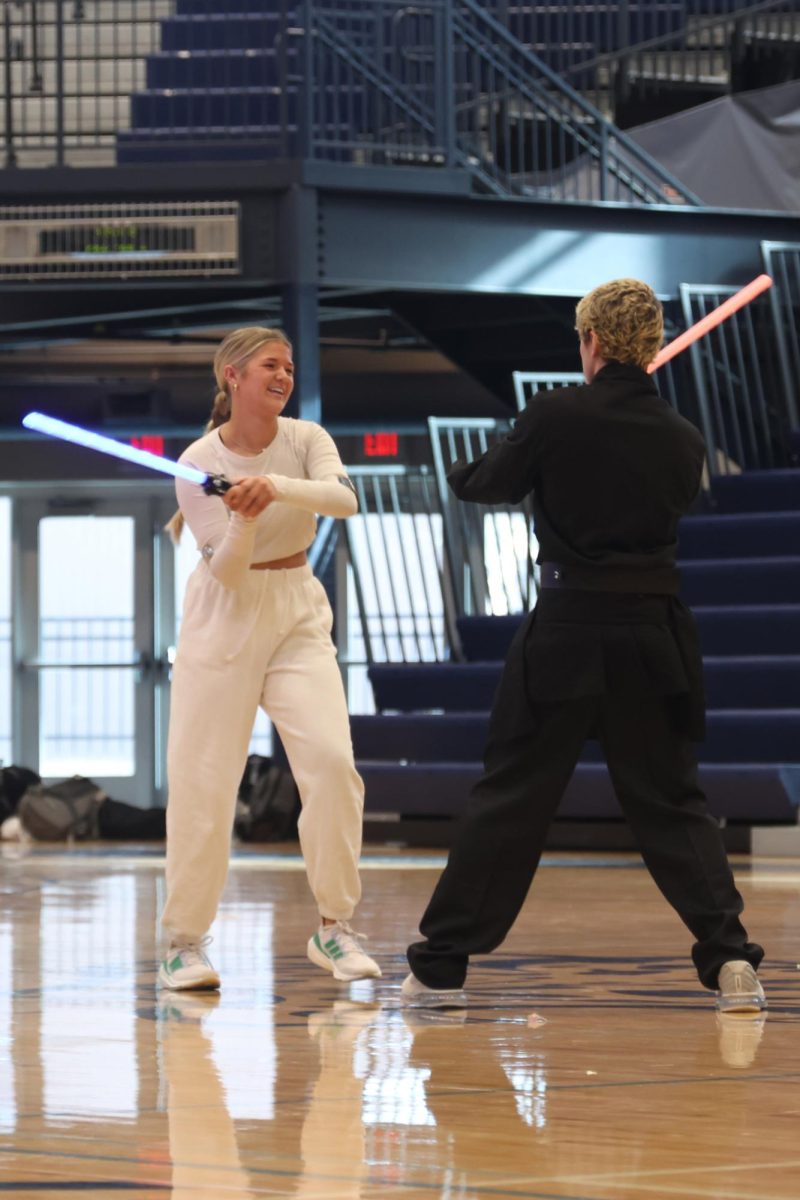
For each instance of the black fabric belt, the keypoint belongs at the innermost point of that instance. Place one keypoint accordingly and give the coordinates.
(660, 581)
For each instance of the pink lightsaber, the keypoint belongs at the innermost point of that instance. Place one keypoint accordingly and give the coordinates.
(711, 320)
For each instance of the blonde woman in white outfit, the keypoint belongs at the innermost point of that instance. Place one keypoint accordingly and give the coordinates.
(256, 631)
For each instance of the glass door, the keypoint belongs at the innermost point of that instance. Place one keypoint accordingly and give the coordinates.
(90, 640)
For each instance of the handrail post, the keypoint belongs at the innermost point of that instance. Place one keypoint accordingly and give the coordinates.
(624, 24)
(603, 161)
(59, 83)
(445, 82)
(11, 154)
(305, 102)
(36, 77)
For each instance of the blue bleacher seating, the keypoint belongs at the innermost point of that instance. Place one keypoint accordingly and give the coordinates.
(440, 789)
(758, 491)
(221, 31)
(219, 60)
(204, 8)
(734, 736)
(744, 681)
(199, 69)
(724, 629)
(741, 572)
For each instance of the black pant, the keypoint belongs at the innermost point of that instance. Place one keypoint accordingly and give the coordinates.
(502, 834)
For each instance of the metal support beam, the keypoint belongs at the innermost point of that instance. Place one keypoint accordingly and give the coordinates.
(406, 242)
(301, 322)
(299, 268)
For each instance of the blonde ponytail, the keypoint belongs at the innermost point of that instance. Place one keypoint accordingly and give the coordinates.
(235, 350)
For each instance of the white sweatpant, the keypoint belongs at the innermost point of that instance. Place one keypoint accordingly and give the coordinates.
(265, 643)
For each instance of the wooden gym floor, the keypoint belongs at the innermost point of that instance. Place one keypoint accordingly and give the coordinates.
(590, 1065)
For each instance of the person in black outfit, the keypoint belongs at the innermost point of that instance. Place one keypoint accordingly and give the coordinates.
(608, 652)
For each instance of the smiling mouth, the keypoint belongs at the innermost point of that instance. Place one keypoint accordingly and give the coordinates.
(277, 392)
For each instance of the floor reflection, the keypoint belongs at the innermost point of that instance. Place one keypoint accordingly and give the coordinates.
(586, 1075)
(203, 1147)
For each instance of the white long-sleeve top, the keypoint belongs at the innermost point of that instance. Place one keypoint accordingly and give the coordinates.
(308, 476)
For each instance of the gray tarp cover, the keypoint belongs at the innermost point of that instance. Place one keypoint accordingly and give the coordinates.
(736, 152)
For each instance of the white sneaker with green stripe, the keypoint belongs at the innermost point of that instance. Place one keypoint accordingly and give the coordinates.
(187, 966)
(336, 948)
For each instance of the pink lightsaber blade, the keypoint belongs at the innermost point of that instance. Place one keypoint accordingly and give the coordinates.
(711, 320)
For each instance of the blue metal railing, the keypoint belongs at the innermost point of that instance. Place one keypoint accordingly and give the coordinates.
(741, 403)
(690, 45)
(395, 549)
(782, 263)
(360, 82)
(490, 549)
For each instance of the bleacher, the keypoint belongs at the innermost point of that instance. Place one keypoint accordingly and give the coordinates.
(741, 574)
(228, 78)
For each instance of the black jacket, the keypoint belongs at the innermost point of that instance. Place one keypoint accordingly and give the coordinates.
(611, 469)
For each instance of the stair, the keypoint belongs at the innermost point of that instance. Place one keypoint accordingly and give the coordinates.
(214, 90)
(741, 573)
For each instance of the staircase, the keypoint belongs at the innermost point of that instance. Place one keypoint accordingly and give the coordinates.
(379, 82)
(741, 575)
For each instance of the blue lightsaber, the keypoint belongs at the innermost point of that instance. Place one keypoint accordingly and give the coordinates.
(214, 485)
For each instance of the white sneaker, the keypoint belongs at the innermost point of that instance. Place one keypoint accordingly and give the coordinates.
(336, 948)
(739, 989)
(186, 966)
(416, 995)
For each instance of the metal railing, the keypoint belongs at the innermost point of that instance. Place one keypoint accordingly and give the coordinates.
(491, 549)
(67, 72)
(782, 262)
(353, 81)
(668, 379)
(528, 383)
(86, 672)
(533, 135)
(5, 690)
(709, 53)
(737, 384)
(395, 548)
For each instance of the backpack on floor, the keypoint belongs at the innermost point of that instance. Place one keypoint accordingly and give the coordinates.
(13, 782)
(268, 804)
(59, 811)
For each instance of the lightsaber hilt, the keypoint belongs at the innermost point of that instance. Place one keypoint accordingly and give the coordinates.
(216, 485)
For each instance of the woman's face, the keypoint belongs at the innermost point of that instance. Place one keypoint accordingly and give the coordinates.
(266, 381)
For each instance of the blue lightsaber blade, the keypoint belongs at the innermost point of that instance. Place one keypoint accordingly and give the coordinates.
(215, 485)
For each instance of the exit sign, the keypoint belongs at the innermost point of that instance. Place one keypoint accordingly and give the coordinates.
(381, 445)
(151, 442)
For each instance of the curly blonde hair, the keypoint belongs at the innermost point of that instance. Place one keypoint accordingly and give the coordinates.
(628, 319)
(235, 350)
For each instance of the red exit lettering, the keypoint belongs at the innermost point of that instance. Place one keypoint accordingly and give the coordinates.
(151, 442)
(381, 445)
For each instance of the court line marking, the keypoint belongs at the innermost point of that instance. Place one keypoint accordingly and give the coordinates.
(365, 1182)
(636, 1178)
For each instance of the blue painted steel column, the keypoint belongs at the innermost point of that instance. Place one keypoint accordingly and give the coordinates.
(305, 97)
(299, 242)
(444, 51)
(60, 86)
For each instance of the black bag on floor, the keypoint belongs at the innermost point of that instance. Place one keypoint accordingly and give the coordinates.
(56, 812)
(268, 803)
(13, 782)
